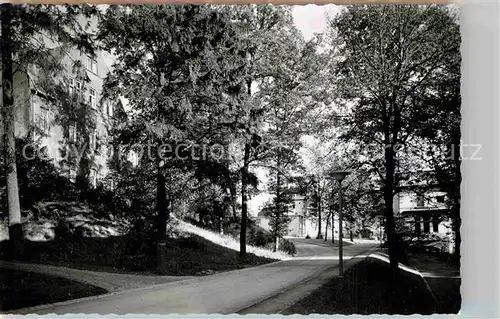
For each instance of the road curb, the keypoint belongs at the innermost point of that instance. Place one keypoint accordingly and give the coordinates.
(426, 284)
(420, 274)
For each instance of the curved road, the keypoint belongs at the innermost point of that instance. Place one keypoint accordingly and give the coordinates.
(269, 288)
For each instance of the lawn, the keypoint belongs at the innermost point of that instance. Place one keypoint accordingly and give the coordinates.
(186, 256)
(364, 290)
(19, 289)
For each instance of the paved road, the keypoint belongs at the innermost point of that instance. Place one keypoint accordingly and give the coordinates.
(266, 289)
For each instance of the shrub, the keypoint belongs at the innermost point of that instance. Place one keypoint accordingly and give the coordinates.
(190, 242)
(287, 246)
(67, 231)
(256, 235)
(261, 238)
(366, 233)
(139, 248)
(39, 179)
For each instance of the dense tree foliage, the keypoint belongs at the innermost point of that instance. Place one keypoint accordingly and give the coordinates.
(390, 62)
(208, 97)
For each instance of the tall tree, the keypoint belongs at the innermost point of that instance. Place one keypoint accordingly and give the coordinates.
(15, 228)
(259, 32)
(290, 95)
(172, 65)
(319, 161)
(387, 59)
(445, 156)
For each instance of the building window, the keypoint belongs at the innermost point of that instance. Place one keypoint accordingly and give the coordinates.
(79, 90)
(92, 98)
(93, 178)
(72, 133)
(71, 86)
(72, 175)
(418, 228)
(92, 141)
(440, 199)
(43, 120)
(79, 85)
(427, 228)
(420, 201)
(134, 158)
(109, 109)
(435, 226)
(92, 65)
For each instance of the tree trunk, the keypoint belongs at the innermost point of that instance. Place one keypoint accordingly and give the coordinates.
(232, 191)
(327, 226)
(14, 209)
(83, 173)
(333, 227)
(455, 211)
(244, 202)
(84, 164)
(161, 219)
(319, 236)
(389, 210)
(278, 204)
(161, 205)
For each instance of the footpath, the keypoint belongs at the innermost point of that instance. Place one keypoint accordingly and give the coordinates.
(110, 281)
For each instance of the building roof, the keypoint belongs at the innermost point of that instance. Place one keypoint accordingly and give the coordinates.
(261, 214)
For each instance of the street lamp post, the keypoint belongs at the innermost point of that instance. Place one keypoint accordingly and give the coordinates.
(339, 176)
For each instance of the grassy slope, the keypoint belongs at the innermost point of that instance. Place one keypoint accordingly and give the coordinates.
(364, 290)
(197, 251)
(20, 289)
(186, 256)
(230, 242)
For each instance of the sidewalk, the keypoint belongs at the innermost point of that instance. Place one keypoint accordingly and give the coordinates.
(110, 281)
(442, 278)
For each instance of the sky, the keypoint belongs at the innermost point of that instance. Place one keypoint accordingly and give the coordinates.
(311, 18)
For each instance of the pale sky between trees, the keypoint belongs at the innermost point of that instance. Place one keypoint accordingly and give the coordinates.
(311, 18)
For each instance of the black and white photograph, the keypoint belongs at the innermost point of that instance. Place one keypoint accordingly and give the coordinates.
(231, 159)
